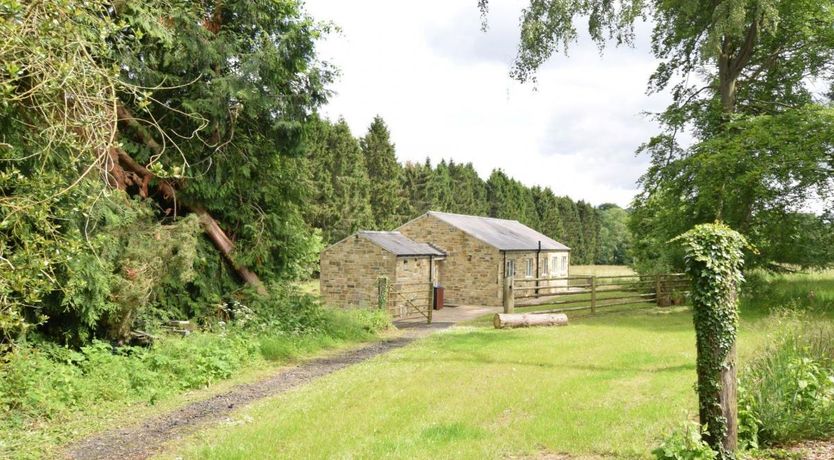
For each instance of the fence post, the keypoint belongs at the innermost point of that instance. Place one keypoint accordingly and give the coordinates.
(431, 302)
(382, 292)
(509, 301)
(593, 295)
(657, 296)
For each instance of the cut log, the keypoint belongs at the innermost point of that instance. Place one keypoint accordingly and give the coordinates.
(512, 320)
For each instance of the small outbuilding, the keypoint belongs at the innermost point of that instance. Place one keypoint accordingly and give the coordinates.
(482, 251)
(351, 267)
(469, 256)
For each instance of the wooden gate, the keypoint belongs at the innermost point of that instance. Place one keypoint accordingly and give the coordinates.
(406, 300)
(573, 293)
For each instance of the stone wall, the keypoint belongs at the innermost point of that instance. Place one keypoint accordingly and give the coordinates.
(349, 272)
(471, 272)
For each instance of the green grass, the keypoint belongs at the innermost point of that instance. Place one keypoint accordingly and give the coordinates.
(611, 384)
(605, 385)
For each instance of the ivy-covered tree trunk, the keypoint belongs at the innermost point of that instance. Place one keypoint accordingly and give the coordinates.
(714, 259)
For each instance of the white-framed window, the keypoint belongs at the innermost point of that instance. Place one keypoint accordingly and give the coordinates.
(545, 270)
(509, 270)
(564, 264)
(529, 269)
(554, 261)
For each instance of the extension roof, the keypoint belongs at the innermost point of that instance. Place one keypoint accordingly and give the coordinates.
(400, 245)
(502, 234)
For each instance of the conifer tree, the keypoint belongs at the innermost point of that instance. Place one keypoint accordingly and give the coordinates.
(386, 198)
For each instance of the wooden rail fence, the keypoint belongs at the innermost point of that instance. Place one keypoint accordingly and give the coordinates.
(574, 293)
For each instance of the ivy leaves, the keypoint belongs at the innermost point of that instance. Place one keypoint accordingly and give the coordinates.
(713, 258)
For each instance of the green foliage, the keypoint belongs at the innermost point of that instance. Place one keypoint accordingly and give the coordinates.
(714, 258)
(789, 386)
(221, 93)
(44, 383)
(685, 443)
(387, 202)
(340, 203)
(744, 76)
(614, 240)
(753, 176)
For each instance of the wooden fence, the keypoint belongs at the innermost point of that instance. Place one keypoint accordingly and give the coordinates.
(406, 300)
(573, 293)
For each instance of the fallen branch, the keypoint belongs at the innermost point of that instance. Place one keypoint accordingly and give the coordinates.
(218, 237)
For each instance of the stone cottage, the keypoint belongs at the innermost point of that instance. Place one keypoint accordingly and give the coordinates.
(468, 255)
(482, 251)
(350, 268)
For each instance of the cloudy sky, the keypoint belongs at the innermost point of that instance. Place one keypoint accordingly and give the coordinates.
(442, 86)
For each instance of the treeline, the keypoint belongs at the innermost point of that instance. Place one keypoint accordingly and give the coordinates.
(358, 184)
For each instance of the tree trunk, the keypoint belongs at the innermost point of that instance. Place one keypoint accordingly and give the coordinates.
(729, 401)
(226, 246)
(732, 61)
(510, 320)
(216, 234)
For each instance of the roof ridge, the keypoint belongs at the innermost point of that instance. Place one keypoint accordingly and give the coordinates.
(470, 215)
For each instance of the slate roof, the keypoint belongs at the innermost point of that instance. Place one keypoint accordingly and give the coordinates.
(400, 245)
(505, 235)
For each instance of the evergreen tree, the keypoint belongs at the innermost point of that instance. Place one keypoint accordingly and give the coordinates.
(386, 197)
(572, 228)
(550, 221)
(470, 193)
(340, 203)
(590, 231)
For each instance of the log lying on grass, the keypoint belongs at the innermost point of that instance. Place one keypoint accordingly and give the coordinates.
(511, 320)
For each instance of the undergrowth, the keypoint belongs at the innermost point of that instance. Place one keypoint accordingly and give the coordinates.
(787, 391)
(43, 384)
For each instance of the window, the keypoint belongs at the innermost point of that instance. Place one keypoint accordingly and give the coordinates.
(509, 270)
(564, 264)
(544, 267)
(555, 262)
(529, 272)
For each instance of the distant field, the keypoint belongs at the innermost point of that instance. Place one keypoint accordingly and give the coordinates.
(600, 270)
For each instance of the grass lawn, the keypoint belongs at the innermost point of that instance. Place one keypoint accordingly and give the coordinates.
(608, 385)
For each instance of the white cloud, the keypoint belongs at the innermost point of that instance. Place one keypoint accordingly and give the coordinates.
(442, 86)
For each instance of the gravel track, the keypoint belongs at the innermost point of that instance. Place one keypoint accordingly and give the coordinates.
(148, 438)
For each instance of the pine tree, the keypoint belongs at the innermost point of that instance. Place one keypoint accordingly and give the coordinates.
(386, 195)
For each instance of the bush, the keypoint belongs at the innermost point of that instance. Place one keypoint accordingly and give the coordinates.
(788, 390)
(685, 443)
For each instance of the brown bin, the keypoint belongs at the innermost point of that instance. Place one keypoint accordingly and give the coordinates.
(438, 298)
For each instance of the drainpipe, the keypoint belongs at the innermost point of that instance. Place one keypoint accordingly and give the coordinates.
(538, 275)
(504, 270)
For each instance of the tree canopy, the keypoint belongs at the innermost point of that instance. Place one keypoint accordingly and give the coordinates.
(128, 130)
(747, 79)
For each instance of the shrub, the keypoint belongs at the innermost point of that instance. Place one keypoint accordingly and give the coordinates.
(685, 443)
(789, 388)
